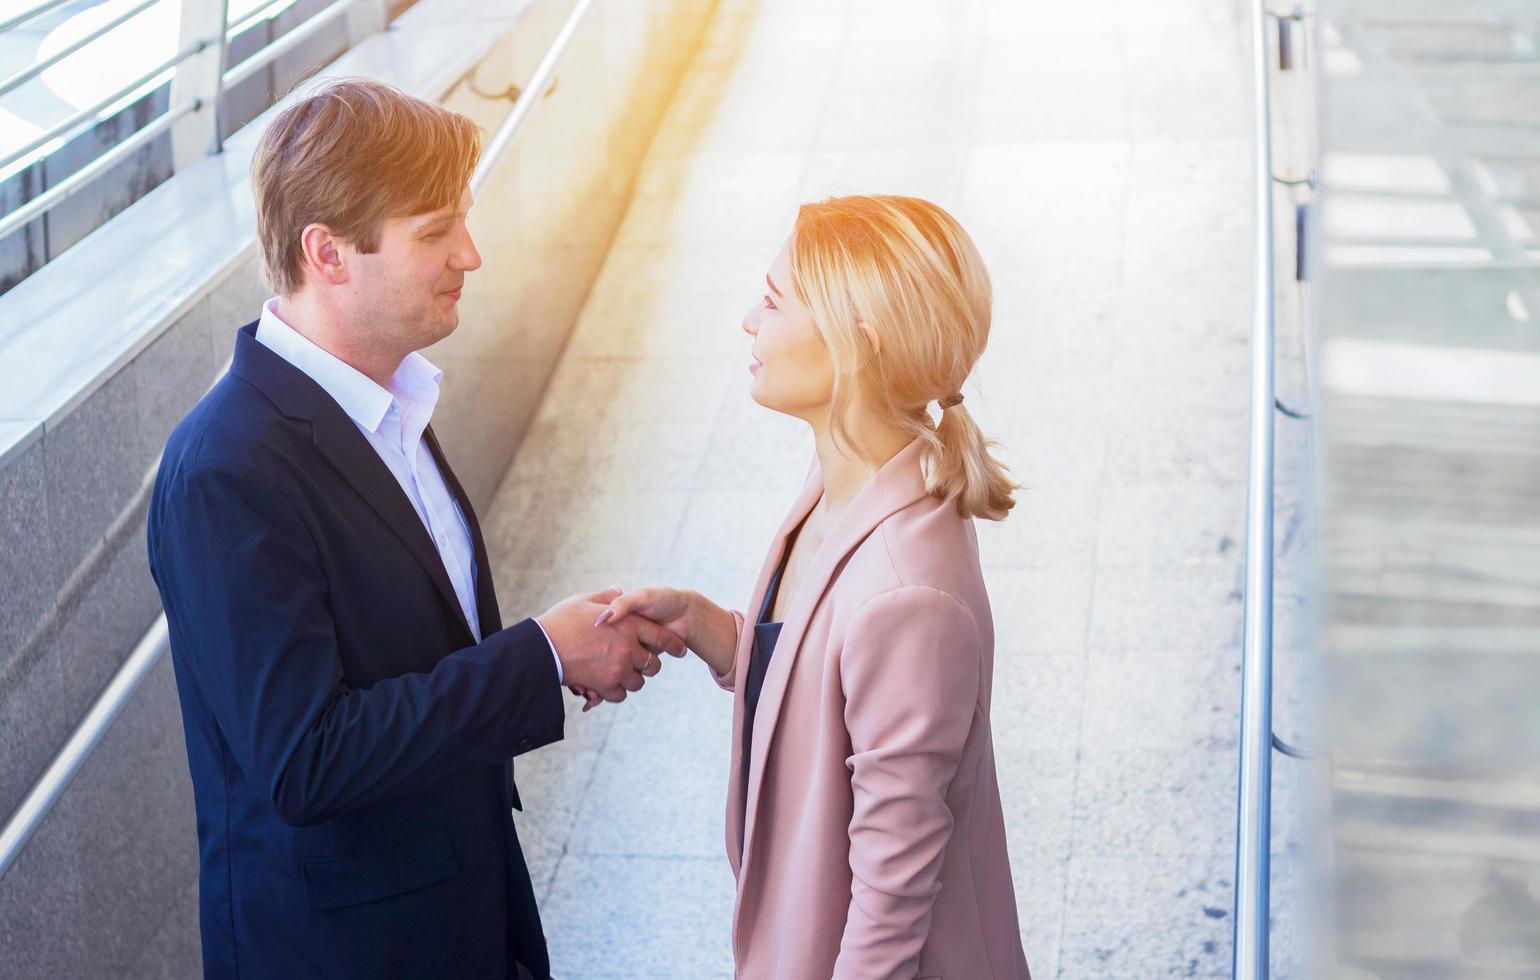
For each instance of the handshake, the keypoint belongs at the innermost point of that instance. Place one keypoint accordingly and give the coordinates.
(608, 642)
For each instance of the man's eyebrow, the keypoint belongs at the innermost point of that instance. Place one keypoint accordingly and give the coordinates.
(434, 223)
(772, 284)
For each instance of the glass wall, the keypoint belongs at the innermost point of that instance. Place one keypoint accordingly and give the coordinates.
(83, 80)
(1430, 390)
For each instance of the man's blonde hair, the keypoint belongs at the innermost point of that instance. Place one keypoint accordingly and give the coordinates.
(348, 156)
(906, 269)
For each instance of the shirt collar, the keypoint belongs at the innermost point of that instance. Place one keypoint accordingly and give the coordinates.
(365, 402)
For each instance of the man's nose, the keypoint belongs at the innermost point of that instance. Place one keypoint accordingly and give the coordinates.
(466, 258)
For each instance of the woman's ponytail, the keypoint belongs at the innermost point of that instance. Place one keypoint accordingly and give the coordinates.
(961, 465)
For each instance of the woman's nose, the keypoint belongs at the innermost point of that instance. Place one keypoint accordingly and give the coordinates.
(749, 326)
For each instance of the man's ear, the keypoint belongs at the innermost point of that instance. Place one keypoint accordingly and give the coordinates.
(871, 335)
(325, 256)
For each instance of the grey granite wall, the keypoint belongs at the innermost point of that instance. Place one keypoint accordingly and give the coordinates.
(107, 887)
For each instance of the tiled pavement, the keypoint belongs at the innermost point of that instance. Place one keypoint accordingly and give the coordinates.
(1099, 155)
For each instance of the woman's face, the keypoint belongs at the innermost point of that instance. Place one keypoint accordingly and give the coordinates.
(792, 369)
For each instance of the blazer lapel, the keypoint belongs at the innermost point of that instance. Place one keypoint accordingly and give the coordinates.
(337, 438)
(806, 499)
(486, 593)
(897, 485)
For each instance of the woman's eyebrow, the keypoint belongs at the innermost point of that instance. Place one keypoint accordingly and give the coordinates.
(772, 284)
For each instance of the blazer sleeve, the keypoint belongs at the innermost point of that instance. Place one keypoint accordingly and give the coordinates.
(729, 680)
(248, 602)
(910, 670)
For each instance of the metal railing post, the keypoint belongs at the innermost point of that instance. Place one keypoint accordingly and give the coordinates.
(199, 78)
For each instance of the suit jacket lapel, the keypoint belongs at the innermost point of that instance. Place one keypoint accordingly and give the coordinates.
(490, 616)
(337, 438)
(486, 592)
(897, 485)
(345, 447)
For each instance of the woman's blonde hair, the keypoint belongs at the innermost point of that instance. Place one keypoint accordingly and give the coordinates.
(905, 268)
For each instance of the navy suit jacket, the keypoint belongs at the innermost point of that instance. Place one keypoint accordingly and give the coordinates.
(349, 740)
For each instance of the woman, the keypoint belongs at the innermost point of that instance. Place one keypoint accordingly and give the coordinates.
(864, 823)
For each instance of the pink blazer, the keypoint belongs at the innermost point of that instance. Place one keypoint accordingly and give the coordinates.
(865, 828)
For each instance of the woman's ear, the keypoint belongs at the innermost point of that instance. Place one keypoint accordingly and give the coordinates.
(871, 335)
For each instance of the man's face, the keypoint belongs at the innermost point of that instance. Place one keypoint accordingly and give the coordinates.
(410, 288)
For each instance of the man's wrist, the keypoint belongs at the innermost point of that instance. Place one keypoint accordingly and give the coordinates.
(560, 673)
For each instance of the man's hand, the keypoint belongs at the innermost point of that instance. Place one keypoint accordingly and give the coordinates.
(609, 658)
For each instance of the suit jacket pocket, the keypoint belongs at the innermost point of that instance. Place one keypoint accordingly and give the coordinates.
(366, 877)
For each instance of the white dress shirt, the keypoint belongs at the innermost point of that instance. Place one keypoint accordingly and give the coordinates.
(392, 420)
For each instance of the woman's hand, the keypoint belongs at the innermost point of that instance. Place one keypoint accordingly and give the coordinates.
(663, 606)
(708, 630)
(670, 608)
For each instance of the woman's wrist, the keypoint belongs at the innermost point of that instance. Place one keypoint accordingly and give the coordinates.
(713, 632)
(699, 620)
(694, 606)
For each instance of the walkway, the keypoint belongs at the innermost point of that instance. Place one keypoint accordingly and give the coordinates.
(1100, 158)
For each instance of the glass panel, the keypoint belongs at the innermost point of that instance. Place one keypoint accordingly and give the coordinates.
(1430, 385)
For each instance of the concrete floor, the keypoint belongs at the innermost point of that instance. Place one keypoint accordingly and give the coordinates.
(1099, 153)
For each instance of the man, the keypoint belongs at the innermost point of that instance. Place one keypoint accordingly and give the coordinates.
(350, 698)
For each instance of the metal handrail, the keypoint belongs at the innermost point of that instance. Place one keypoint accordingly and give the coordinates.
(532, 91)
(250, 17)
(1253, 812)
(50, 786)
(77, 181)
(93, 114)
(38, 67)
(291, 40)
(27, 15)
(46, 201)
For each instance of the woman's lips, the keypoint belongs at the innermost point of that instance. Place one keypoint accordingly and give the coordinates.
(754, 364)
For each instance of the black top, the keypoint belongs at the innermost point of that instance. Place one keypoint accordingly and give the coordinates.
(765, 637)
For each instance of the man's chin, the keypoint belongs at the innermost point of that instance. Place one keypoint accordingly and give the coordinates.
(440, 327)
